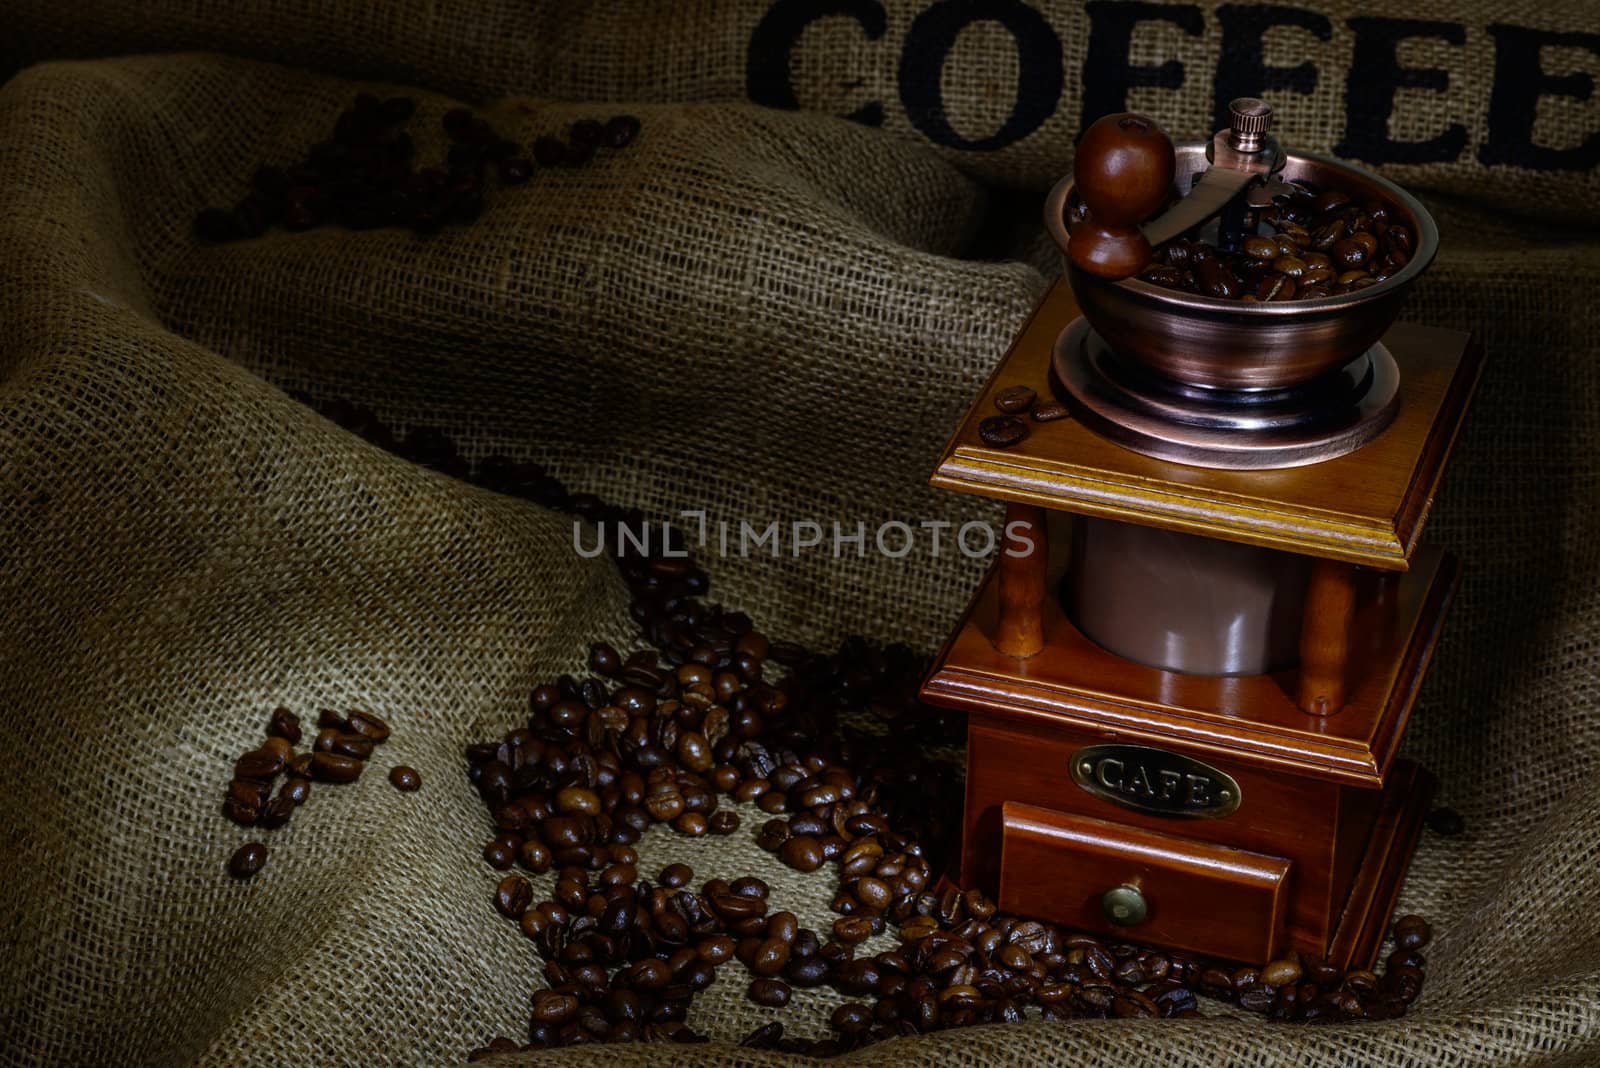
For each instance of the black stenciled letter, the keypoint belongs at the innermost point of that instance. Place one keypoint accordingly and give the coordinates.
(767, 74)
(1519, 81)
(1375, 74)
(1107, 74)
(1242, 69)
(928, 44)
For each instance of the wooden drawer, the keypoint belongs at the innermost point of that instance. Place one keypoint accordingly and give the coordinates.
(1197, 896)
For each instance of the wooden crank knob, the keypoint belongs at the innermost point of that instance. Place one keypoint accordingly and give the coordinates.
(1123, 175)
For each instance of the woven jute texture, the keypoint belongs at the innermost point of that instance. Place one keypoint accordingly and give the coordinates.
(765, 315)
(1490, 98)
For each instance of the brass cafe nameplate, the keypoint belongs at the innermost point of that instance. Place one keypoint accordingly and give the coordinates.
(1154, 781)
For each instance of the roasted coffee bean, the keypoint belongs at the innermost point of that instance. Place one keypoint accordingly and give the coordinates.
(1001, 431)
(1216, 280)
(692, 824)
(499, 854)
(724, 822)
(244, 802)
(533, 854)
(296, 790)
(1412, 932)
(260, 765)
(808, 972)
(513, 896)
(676, 875)
(1281, 972)
(368, 725)
(585, 132)
(332, 767)
(1049, 412)
(1014, 399)
(352, 745)
(550, 1007)
(852, 930)
(852, 1017)
(549, 152)
(329, 720)
(1446, 822)
(277, 812)
(766, 1036)
(284, 724)
(803, 853)
(772, 993)
(247, 860)
(1260, 248)
(405, 779)
(621, 130)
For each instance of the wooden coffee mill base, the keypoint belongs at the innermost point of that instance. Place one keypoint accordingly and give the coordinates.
(1238, 816)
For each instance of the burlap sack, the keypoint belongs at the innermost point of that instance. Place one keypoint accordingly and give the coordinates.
(759, 314)
(1484, 98)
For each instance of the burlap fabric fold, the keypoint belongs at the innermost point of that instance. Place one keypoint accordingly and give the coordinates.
(1487, 98)
(764, 315)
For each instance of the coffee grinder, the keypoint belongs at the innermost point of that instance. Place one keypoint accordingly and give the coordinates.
(1184, 703)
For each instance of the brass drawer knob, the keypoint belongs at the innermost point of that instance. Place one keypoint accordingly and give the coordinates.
(1124, 906)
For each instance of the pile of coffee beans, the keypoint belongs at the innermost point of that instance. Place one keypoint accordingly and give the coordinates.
(343, 744)
(716, 710)
(364, 176)
(1002, 431)
(1322, 244)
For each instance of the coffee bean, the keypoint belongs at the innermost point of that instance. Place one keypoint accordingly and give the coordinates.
(772, 993)
(244, 802)
(333, 767)
(368, 725)
(1001, 431)
(247, 860)
(354, 746)
(803, 853)
(767, 1035)
(1256, 998)
(513, 896)
(260, 765)
(852, 1017)
(1260, 248)
(586, 132)
(277, 812)
(749, 886)
(550, 1007)
(1446, 822)
(621, 130)
(1014, 399)
(1049, 412)
(1280, 972)
(329, 720)
(724, 822)
(1412, 932)
(284, 724)
(692, 824)
(405, 779)
(576, 799)
(296, 790)
(874, 893)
